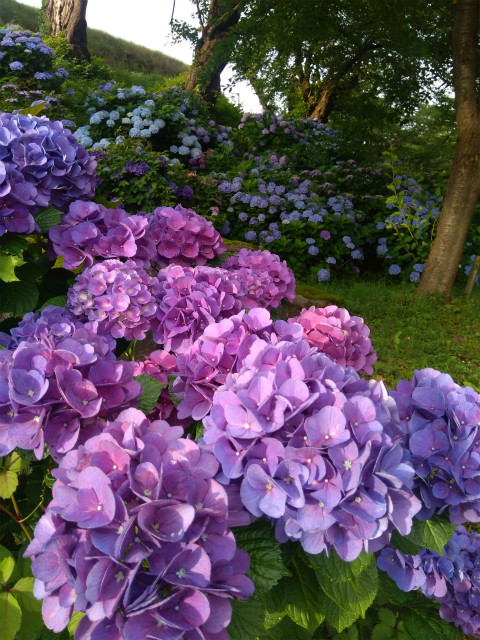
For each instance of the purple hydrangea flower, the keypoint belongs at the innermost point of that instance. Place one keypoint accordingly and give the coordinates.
(305, 440)
(439, 421)
(41, 164)
(91, 230)
(189, 300)
(137, 168)
(57, 374)
(265, 279)
(183, 237)
(323, 275)
(137, 537)
(118, 296)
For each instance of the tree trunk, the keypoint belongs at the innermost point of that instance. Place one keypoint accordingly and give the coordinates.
(70, 16)
(213, 51)
(463, 187)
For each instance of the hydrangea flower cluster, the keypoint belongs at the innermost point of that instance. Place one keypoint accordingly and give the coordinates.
(41, 164)
(439, 423)
(57, 375)
(137, 537)
(23, 51)
(266, 280)
(118, 296)
(450, 578)
(342, 337)
(220, 350)
(183, 237)
(304, 438)
(91, 230)
(190, 299)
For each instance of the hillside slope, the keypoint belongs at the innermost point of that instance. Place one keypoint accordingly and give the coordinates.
(117, 53)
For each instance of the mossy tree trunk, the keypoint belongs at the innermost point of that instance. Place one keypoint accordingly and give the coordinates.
(214, 48)
(70, 16)
(463, 187)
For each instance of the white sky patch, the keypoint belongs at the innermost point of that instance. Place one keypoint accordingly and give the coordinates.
(147, 22)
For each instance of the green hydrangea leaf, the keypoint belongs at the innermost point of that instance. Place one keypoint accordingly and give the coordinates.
(10, 616)
(18, 298)
(47, 218)
(7, 564)
(344, 601)
(266, 565)
(432, 534)
(58, 301)
(13, 244)
(286, 629)
(152, 389)
(247, 620)
(302, 597)
(33, 110)
(423, 622)
(8, 482)
(7, 267)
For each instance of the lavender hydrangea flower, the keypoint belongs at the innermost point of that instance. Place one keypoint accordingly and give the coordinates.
(118, 296)
(266, 280)
(91, 230)
(342, 337)
(439, 421)
(189, 300)
(136, 537)
(183, 237)
(41, 164)
(57, 374)
(305, 440)
(220, 351)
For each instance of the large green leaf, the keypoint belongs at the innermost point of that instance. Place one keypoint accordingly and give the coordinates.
(10, 616)
(7, 267)
(332, 567)
(431, 534)
(343, 601)
(8, 482)
(423, 623)
(152, 389)
(48, 217)
(302, 597)
(13, 244)
(31, 609)
(18, 297)
(247, 620)
(266, 565)
(7, 564)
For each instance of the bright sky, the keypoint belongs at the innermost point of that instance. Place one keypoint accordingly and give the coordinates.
(148, 25)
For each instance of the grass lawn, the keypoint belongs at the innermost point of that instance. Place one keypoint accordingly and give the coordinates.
(411, 333)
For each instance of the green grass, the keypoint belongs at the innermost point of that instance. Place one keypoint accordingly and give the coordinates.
(125, 58)
(411, 333)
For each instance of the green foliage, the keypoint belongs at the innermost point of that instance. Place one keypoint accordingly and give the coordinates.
(20, 611)
(152, 389)
(432, 534)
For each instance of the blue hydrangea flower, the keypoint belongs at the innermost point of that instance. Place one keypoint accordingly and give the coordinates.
(323, 275)
(250, 236)
(312, 250)
(394, 269)
(16, 66)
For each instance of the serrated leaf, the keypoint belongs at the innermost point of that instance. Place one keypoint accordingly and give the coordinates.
(266, 566)
(302, 597)
(247, 620)
(343, 602)
(7, 267)
(10, 616)
(7, 564)
(106, 203)
(333, 567)
(152, 389)
(8, 482)
(18, 297)
(47, 218)
(432, 534)
(423, 622)
(58, 301)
